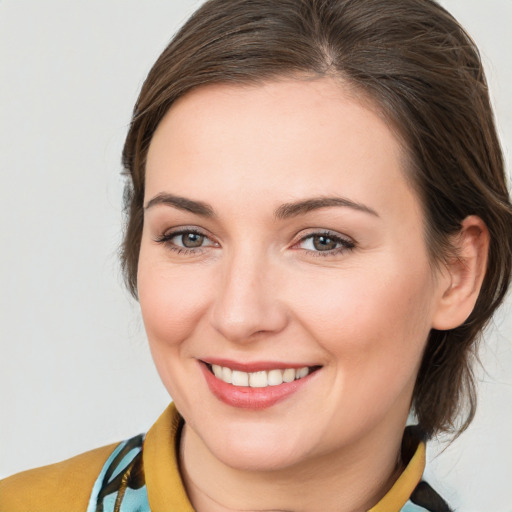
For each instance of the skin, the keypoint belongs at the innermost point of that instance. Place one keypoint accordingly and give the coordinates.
(258, 289)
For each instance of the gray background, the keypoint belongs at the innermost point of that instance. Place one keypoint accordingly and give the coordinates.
(75, 371)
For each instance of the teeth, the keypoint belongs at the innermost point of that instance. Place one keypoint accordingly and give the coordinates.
(217, 371)
(240, 378)
(226, 375)
(289, 375)
(260, 379)
(275, 377)
(302, 372)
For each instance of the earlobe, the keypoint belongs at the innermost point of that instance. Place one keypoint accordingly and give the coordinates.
(463, 276)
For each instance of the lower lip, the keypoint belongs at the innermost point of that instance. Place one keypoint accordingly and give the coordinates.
(245, 397)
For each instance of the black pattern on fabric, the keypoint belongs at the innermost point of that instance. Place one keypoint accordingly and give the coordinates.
(127, 476)
(426, 497)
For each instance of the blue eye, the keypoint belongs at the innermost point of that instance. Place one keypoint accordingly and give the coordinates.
(185, 240)
(327, 242)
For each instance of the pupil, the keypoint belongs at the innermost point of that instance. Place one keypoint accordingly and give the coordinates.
(324, 243)
(192, 240)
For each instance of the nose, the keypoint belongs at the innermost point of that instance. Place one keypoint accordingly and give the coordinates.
(247, 303)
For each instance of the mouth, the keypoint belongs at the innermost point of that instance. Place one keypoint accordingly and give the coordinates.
(261, 378)
(264, 386)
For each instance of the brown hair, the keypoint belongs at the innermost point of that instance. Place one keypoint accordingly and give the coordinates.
(425, 75)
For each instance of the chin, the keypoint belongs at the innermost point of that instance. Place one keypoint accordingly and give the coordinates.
(257, 447)
(248, 458)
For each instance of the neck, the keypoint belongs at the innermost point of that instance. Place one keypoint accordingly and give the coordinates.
(352, 479)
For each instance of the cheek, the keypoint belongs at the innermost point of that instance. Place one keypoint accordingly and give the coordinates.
(368, 318)
(172, 301)
(374, 328)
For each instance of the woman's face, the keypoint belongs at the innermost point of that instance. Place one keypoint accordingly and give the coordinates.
(283, 250)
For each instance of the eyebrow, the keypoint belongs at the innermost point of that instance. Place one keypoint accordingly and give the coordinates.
(284, 211)
(301, 207)
(182, 203)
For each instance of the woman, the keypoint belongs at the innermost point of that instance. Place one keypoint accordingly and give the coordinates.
(319, 228)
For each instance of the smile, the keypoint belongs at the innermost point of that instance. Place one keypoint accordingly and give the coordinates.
(266, 385)
(260, 379)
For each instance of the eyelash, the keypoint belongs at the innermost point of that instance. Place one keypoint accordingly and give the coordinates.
(166, 238)
(345, 243)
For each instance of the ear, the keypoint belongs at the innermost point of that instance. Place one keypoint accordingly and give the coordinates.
(462, 277)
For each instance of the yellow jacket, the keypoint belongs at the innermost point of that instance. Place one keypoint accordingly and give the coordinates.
(67, 486)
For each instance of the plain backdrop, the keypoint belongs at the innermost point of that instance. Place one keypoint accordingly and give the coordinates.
(75, 370)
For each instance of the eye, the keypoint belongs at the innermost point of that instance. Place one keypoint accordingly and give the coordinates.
(327, 243)
(186, 240)
(189, 240)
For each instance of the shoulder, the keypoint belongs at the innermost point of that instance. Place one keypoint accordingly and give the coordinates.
(65, 486)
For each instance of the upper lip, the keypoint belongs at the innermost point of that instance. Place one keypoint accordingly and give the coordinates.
(255, 366)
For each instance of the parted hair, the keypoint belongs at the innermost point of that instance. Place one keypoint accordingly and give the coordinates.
(423, 74)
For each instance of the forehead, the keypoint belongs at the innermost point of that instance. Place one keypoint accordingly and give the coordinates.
(288, 137)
